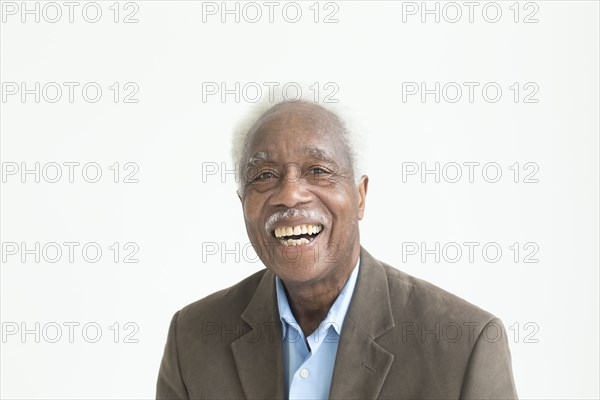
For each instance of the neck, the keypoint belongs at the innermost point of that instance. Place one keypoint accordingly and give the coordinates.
(310, 302)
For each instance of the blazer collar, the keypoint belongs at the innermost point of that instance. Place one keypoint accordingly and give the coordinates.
(361, 365)
(258, 354)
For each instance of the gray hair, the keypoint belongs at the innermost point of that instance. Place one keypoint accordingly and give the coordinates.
(239, 149)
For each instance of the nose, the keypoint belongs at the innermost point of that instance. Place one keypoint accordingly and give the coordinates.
(292, 189)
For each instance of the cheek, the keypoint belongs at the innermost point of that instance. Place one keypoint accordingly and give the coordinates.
(345, 215)
(342, 204)
(252, 209)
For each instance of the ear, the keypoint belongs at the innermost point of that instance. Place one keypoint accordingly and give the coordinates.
(362, 187)
(239, 197)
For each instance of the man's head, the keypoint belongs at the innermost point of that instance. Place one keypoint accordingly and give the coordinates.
(300, 198)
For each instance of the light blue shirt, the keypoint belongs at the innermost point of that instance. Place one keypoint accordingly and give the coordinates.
(308, 362)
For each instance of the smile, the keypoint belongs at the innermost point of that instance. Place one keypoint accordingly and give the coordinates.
(297, 235)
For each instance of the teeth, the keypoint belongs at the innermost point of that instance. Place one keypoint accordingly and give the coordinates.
(292, 242)
(297, 230)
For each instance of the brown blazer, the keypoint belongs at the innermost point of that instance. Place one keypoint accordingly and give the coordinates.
(403, 338)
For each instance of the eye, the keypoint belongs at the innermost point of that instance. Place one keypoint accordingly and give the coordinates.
(318, 171)
(266, 175)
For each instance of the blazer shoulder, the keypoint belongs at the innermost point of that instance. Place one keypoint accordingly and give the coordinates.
(425, 298)
(225, 303)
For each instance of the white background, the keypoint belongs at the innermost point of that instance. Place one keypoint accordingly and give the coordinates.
(172, 134)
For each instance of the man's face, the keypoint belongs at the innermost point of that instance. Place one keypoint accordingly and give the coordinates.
(301, 207)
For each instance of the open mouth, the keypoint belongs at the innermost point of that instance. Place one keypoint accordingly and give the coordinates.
(297, 235)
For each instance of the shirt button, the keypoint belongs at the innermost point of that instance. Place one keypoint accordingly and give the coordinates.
(304, 373)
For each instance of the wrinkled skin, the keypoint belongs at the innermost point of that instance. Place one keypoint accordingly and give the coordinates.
(304, 165)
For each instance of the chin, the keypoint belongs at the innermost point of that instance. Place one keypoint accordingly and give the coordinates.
(300, 273)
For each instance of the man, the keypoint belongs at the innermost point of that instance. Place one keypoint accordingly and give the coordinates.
(325, 319)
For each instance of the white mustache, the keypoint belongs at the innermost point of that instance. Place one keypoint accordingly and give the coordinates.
(293, 213)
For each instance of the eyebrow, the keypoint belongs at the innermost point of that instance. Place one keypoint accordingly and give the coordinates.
(260, 156)
(319, 154)
(315, 152)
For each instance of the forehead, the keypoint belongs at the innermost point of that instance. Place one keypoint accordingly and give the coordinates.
(298, 128)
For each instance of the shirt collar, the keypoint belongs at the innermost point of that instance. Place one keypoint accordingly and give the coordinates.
(335, 316)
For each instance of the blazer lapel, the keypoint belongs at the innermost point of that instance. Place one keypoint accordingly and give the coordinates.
(362, 365)
(258, 353)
